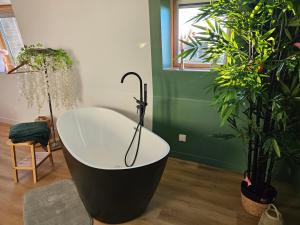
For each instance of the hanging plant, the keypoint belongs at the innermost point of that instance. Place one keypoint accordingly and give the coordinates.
(47, 71)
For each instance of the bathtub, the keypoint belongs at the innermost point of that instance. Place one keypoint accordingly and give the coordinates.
(95, 141)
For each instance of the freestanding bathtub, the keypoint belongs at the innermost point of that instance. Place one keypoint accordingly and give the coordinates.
(95, 141)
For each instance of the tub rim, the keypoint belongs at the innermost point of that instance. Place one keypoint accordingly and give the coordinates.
(65, 145)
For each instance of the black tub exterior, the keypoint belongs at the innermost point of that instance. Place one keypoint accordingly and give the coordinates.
(115, 196)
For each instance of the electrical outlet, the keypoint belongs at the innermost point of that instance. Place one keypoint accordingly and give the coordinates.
(182, 137)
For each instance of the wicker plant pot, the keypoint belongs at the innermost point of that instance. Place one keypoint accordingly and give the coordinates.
(253, 204)
(252, 207)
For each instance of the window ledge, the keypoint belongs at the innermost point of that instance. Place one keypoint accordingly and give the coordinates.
(189, 69)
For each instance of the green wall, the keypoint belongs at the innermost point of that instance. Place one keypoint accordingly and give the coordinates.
(182, 104)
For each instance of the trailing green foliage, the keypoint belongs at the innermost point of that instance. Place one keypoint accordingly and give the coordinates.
(257, 91)
(38, 57)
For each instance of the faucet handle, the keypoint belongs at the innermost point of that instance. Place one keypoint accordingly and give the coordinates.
(137, 101)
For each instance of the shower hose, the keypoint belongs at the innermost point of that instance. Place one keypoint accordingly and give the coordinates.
(138, 128)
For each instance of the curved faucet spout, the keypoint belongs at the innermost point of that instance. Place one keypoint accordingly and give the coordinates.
(142, 103)
(140, 79)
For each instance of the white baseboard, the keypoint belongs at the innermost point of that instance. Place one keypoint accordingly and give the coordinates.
(8, 121)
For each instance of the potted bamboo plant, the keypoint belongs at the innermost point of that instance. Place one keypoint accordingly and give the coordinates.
(257, 91)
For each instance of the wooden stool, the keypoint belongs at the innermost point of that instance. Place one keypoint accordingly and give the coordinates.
(30, 162)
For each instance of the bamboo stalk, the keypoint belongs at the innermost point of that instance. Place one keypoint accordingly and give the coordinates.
(268, 121)
(270, 169)
(250, 145)
(258, 143)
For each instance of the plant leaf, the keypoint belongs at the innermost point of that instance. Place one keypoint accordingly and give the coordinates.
(268, 34)
(185, 53)
(199, 27)
(210, 25)
(187, 43)
(285, 89)
(227, 115)
(288, 34)
(296, 91)
(276, 147)
(294, 23)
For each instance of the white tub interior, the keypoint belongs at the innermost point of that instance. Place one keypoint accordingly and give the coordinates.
(99, 137)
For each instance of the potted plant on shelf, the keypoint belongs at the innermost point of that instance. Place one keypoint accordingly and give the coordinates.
(46, 76)
(258, 90)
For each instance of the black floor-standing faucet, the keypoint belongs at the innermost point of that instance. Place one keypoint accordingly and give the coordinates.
(141, 107)
(142, 103)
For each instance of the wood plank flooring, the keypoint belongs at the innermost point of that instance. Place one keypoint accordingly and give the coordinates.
(189, 193)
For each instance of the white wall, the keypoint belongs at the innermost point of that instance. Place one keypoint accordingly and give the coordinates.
(106, 39)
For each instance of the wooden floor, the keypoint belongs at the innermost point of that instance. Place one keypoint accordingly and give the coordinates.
(189, 194)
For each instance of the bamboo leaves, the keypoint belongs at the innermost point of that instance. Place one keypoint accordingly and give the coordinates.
(294, 23)
(285, 89)
(257, 9)
(272, 144)
(290, 92)
(186, 53)
(296, 91)
(276, 147)
(288, 34)
(268, 34)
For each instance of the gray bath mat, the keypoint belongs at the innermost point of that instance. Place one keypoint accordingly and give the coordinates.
(55, 204)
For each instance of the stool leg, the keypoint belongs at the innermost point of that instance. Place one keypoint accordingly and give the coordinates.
(33, 163)
(14, 162)
(50, 154)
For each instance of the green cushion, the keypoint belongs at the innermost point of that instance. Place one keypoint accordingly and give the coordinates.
(34, 131)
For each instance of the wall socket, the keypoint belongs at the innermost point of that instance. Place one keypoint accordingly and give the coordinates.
(182, 137)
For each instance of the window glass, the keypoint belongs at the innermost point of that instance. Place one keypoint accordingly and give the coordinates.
(185, 29)
(11, 35)
(10, 39)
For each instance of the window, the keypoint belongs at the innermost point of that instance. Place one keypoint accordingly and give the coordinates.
(183, 11)
(10, 39)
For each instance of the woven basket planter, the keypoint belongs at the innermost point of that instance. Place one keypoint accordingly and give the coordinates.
(252, 207)
(253, 204)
